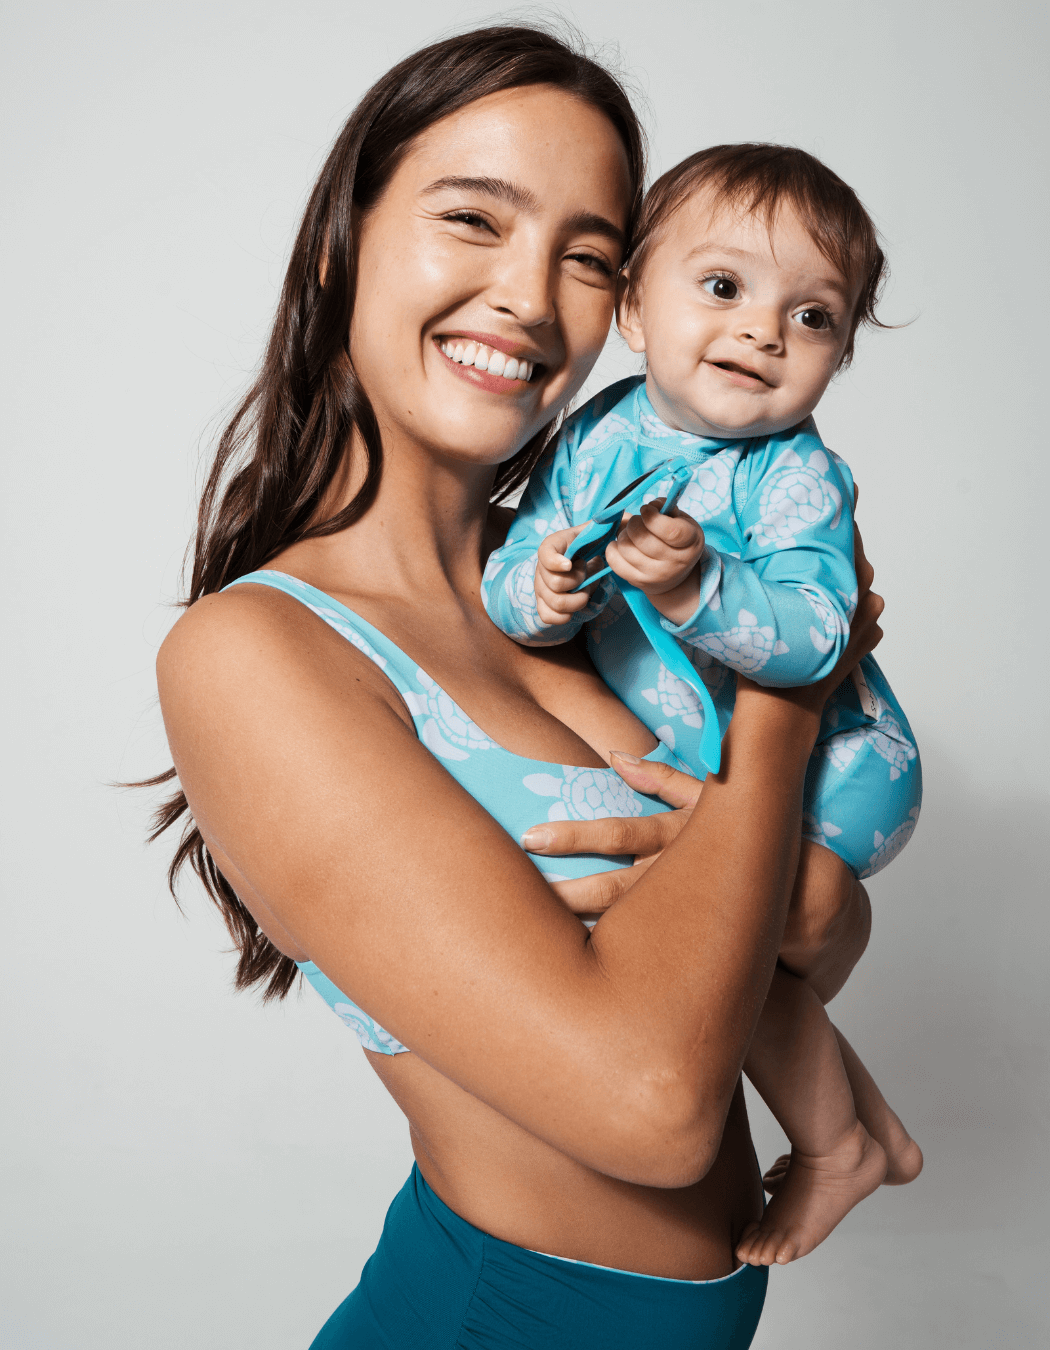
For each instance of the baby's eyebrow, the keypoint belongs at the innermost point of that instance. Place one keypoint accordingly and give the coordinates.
(831, 283)
(522, 199)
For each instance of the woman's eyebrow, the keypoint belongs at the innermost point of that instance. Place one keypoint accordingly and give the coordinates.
(588, 222)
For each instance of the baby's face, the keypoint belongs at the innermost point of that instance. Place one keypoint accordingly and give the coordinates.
(742, 331)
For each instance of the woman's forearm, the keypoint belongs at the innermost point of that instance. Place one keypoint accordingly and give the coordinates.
(705, 922)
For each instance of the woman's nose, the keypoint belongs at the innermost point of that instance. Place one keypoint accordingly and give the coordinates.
(523, 287)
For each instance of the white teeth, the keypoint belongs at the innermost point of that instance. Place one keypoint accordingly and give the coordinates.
(483, 357)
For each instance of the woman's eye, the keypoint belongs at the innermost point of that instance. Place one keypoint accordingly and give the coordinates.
(721, 288)
(592, 261)
(469, 218)
(814, 318)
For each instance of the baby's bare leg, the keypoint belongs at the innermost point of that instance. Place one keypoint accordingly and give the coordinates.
(828, 922)
(827, 931)
(796, 1065)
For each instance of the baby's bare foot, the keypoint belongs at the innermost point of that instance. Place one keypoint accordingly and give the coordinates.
(812, 1196)
(903, 1155)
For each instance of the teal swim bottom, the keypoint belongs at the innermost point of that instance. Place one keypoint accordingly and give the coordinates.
(437, 1281)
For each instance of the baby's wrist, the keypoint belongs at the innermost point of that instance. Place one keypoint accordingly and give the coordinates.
(678, 603)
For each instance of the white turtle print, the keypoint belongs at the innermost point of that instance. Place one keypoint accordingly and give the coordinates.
(341, 626)
(520, 586)
(795, 498)
(369, 1033)
(657, 431)
(889, 740)
(831, 621)
(674, 698)
(584, 794)
(887, 848)
(448, 732)
(747, 647)
(886, 738)
(819, 831)
(708, 492)
(492, 567)
(586, 487)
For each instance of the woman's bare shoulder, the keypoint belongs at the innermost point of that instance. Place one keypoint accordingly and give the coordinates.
(257, 636)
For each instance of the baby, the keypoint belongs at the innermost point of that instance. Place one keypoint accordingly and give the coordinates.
(753, 269)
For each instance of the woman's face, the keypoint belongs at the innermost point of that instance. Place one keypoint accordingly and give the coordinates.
(500, 232)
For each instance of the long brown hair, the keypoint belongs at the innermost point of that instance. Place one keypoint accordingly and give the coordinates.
(282, 447)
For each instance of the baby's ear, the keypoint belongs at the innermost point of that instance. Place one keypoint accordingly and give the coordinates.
(628, 312)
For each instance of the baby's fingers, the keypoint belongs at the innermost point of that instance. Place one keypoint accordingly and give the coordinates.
(551, 552)
(676, 529)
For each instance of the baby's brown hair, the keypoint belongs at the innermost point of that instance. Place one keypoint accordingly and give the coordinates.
(757, 179)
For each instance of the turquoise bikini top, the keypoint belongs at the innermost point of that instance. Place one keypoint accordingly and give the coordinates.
(516, 791)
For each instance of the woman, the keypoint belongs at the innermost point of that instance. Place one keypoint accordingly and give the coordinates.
(574, 1098)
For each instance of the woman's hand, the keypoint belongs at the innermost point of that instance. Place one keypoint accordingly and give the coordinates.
(645, 837)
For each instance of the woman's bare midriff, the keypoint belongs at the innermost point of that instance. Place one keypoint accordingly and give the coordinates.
(514, 1186)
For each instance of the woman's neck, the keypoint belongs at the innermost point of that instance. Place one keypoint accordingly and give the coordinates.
(424, 534)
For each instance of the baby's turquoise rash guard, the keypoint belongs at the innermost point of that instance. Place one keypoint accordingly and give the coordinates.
(777, 592)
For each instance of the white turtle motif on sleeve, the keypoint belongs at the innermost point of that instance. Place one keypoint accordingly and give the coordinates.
(448, 732)
(796, 497)
(831, 621)
(584, 794)
(747, 647)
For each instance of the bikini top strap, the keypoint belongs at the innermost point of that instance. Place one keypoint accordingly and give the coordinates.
(390, 659)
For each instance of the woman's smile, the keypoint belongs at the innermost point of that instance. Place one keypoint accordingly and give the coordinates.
(488, 362)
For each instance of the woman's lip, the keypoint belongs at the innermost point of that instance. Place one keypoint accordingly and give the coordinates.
(481, 379)
(738, 374)
(503, 345)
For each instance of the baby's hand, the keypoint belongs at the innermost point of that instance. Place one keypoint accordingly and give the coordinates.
(557, 578)
(659, 555)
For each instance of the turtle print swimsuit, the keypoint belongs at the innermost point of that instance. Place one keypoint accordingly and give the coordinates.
(777, 592)
(515, 791)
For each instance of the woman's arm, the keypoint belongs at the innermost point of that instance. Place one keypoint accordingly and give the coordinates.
(621, 1048)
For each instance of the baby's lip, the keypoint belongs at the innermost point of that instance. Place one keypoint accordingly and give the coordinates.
(741, 369)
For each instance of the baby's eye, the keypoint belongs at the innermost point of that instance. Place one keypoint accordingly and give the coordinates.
(814, 318)
(722, 288)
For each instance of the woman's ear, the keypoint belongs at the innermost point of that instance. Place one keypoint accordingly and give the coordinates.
(628, 316)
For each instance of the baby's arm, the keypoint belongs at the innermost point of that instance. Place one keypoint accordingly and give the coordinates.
(526, 588)
(779, 613)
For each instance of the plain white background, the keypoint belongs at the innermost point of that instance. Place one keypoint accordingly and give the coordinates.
(182, 1168)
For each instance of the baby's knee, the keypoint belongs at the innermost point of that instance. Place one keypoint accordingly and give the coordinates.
(829, 907)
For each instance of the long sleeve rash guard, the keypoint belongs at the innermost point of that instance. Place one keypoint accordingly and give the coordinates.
(777, 582)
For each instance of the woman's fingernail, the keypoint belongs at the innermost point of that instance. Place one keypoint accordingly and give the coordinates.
(537, 840)
(622, 754)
